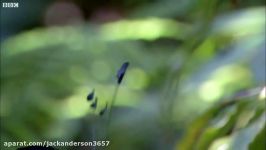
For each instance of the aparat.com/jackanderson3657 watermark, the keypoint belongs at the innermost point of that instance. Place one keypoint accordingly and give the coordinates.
(56, 143)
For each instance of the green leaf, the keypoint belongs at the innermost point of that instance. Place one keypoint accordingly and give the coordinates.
(197, 127)
(259, 141)
(243, 137)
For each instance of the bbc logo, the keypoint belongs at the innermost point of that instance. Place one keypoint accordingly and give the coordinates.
(10, 5)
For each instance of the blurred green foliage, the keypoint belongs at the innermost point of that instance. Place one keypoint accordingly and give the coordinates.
(196, 72)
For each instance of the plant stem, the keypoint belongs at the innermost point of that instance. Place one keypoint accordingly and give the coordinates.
(109, 113)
